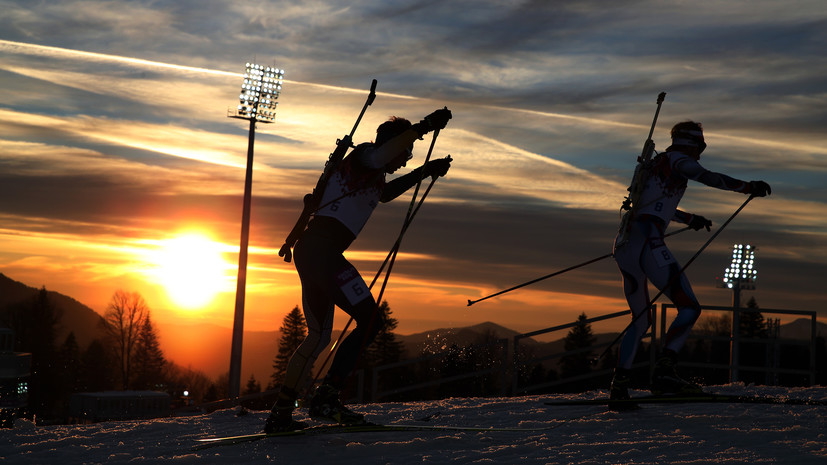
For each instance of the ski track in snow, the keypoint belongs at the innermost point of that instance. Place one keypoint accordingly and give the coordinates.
(655, 434)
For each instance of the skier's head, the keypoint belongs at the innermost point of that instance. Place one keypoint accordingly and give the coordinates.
(387, 131)
(688, 136)
(390, 129)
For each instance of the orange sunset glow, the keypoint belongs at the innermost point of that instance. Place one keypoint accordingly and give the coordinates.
(192, 269)
(120, 170)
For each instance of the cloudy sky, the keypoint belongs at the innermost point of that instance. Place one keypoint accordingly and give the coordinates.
(121, 170)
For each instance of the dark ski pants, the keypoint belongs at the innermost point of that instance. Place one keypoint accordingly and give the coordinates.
(645, 257)
(329, 280)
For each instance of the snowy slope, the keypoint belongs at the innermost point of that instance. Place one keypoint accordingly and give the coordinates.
(672, 433)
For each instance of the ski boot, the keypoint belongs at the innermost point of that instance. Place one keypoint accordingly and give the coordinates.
(665, 379)
(619, 391)
(325, 405)
(281, 420)
(281, 415)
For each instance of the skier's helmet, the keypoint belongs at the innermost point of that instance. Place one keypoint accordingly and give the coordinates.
(689, 133)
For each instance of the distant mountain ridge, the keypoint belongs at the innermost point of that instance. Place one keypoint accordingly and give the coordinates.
(77, 318)
(206, 347)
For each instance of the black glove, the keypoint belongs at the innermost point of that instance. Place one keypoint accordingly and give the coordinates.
(698, 222)
(436, 120)
(759, 189)
(438, 167)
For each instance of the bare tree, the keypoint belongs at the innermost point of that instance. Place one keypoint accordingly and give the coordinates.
(124, 320)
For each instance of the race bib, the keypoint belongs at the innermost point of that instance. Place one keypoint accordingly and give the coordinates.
(663, 257)
(352, 285)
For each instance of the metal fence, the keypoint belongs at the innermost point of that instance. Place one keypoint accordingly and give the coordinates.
(772, 344)
(511, 359)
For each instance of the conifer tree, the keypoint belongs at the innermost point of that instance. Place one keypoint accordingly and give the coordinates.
(293, 331)
(69, 365)
(752, 354)
(149, 364)
(579, 337)
(253, 386)
(752, 323)
(385, 348)
(97, 368)
(35, 326)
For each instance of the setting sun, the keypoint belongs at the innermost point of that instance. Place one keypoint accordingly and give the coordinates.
(192, 269)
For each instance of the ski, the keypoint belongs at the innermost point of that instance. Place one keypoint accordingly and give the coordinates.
(699, 398)
(361, 428)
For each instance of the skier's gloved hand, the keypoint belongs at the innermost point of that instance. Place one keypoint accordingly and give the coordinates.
(439, 167)
(436, 120)
(759, 189)
(698, 222)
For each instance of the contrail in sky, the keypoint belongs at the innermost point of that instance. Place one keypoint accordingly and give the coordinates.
(45, 50)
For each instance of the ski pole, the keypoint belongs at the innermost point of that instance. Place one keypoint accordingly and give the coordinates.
(472, 302)
(407, 216)
(312, 200)
(648, 307)
(399, 239)
(391, 255)
(375, 278)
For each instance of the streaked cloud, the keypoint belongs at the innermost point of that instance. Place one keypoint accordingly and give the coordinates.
(114, 129)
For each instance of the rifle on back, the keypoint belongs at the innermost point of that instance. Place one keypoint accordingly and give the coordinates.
(313, 199)
(641, 175)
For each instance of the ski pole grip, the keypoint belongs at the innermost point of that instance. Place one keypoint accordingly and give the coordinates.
(661, 96)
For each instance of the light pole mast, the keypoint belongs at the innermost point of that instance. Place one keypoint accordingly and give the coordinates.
(741, 274)
(257, 103)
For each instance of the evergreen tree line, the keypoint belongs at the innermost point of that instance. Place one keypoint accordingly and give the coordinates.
(129, 357)
(708, 344)
(442, 368)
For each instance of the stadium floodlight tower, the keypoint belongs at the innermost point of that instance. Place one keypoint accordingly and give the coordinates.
(257, 104)
(741, 274)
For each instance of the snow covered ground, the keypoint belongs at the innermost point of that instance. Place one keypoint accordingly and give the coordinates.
(655, 434)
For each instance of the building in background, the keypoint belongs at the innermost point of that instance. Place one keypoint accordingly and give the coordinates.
(15, 370)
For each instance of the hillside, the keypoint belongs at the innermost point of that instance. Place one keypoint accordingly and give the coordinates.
(801, 329)
(77, 318)
(206, 347)
(442, 338)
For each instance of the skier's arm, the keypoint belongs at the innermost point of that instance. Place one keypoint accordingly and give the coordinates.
(691, 169)
(696, 222)
(398, 186)
(682, 217)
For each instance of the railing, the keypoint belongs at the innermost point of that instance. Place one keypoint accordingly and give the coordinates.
(513, 359)
(498, 367)
(735, 339)
(520, 361)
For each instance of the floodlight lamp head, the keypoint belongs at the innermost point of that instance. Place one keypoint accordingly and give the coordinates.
(742, 271)
(259, 92)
